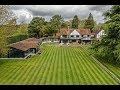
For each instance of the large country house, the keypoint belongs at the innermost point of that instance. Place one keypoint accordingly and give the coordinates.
(30, 46)
(83, 36)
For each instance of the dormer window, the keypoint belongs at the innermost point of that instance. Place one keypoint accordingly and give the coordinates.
(88, 35)
(82, 35)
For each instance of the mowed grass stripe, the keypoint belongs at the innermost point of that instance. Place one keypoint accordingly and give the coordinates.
(11, 72)
(55, 77)
(101, 72)
(22, 72)
(93, 69)
(93, 72)
(90, 73)
(73, 69)
(79, 67)
(56, 66)
(115, 69)
(36, 70)
(68, 71)
(80, 60)
(6, 67)
(45, 67)
(60, 74)
(50, 72)
(29, 74)
(40, 66)
(65, 73)
(26, 72)
(104, 73)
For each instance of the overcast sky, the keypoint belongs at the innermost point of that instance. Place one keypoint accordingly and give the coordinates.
(25, 13)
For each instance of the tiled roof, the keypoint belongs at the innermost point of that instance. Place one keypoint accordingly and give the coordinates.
(84, 31)
(58, 35)
(96, 31)
(67, 32)
(26, 44)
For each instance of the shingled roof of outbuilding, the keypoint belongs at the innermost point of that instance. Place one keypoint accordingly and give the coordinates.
(26, 44)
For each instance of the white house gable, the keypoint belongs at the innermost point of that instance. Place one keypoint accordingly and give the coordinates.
(101, 33)
(75, 33)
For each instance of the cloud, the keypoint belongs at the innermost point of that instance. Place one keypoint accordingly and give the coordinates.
(99, 7)
(27, 12)
(23, 15)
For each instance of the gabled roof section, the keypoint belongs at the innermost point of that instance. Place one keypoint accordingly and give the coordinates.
(75, 32)
(65, 31)
(84, 31)
(57, 35)
(96, 31)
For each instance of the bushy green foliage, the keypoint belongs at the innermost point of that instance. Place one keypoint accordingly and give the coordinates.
(16, 38)
(57, 21)
(22, 29)
(49, 30)
(36, 26)
(7, 28)
(108, 47)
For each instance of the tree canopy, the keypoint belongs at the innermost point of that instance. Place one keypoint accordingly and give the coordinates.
(57, 21)
(35, 27)
(75, 22)
(49, 30)
(109, 46)
(7, 26)
(89, 23)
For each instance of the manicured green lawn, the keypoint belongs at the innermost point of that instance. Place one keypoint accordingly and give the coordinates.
(56, 65)
(114, 68)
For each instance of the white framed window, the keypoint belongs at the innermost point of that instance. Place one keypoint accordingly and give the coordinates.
(72, 35)
(77, 35)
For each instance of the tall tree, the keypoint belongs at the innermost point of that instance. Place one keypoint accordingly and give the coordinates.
(35, 27)
(109, 46)
(49, 30)
(89, 23)
(75, 22)
(66, 24)
(57, 21)
(6, 18)
(81, 24)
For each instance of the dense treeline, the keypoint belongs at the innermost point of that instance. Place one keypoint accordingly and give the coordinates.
(109, 46)
(38, 27)
(10, 32)
(16, 38)
(5, 19)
